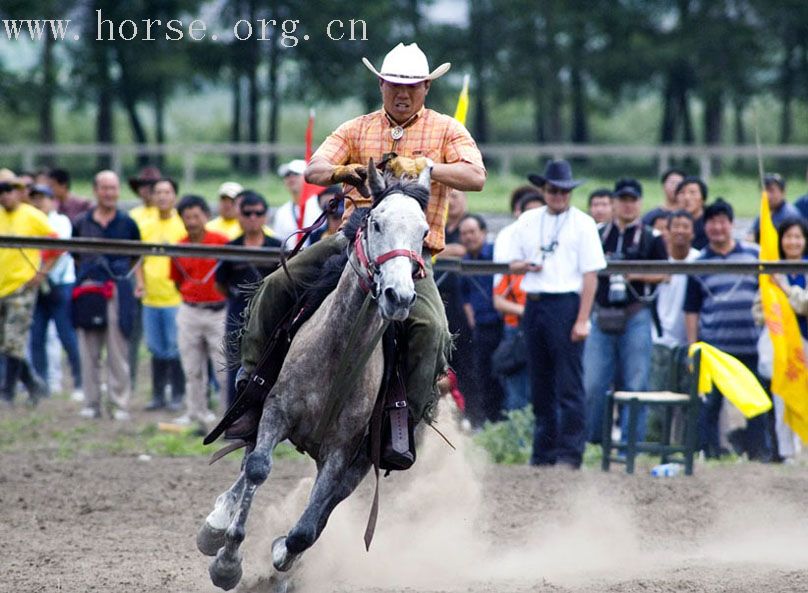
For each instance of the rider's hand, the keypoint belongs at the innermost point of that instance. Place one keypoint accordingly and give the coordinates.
(402, 166)
(355, 174)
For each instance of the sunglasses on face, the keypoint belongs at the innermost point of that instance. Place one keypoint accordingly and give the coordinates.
(253, 213)
(552, 190)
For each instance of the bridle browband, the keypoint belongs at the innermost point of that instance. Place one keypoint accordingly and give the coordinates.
(367, 280)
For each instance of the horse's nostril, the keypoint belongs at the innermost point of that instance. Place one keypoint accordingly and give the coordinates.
(391, 295)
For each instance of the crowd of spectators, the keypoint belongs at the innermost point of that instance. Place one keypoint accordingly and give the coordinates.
(550, 333)
(555, 334)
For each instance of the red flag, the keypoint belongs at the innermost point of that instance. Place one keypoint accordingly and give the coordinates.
(308, 189)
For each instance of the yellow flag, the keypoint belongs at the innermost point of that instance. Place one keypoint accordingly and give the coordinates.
(790, 372)
(735, 382)
(463, 102)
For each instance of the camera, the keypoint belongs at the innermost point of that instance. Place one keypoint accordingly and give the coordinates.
(618, 292)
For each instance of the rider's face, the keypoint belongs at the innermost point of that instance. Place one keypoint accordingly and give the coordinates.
(402, 101)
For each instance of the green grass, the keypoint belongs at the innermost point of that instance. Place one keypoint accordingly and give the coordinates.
(743, 192)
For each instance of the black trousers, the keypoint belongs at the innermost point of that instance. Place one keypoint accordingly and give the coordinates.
(556, 379)
(485, 397)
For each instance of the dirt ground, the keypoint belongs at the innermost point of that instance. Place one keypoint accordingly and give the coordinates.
(95, 516)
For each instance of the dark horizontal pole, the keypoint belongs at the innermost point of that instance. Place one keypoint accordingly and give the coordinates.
(448, 264)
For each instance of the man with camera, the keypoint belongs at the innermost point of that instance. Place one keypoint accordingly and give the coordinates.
(618, 350)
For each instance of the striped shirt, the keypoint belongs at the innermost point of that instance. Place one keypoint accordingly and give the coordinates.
(433, 135)
(724, 303)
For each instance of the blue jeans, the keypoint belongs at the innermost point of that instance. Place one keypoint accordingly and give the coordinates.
(608, 356)
(557, 391)
(516, 386)
(160, 329)
(55, 305)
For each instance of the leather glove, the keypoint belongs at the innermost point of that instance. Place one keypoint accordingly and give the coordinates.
(402, 166)
(355, 174)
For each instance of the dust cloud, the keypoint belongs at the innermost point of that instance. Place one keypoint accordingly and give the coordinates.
(438, 531)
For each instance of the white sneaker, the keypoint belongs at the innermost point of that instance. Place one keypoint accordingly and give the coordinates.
(184, 420)
(121, 415)
(89, 413)
(77, 395)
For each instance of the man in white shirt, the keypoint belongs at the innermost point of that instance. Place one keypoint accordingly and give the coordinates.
(670, 348)
(53, 301)
(558, 249)
(284, 222)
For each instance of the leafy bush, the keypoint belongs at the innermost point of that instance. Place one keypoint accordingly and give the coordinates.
(509, 441)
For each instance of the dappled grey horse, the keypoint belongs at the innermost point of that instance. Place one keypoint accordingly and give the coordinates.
(385, 251)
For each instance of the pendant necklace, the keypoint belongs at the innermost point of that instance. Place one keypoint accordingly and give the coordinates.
(397, 130)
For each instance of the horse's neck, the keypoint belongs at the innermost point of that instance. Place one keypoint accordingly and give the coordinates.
(346, 305)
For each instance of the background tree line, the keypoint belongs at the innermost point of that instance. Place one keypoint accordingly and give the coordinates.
(563, 61)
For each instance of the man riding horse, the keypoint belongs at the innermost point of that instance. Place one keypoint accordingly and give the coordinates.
(419, 138)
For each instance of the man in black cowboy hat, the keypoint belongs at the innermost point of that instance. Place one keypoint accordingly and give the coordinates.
(558, 249)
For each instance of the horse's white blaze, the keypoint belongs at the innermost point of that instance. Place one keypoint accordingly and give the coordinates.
(403, 227)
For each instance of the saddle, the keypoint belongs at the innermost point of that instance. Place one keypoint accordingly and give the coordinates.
(390, 439)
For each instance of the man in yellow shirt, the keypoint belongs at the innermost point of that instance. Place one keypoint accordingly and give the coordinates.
(22, 272)
(227, 222)
(143, 185)
(161, 300)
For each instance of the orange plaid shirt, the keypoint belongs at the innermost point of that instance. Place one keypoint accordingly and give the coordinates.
(433, 135)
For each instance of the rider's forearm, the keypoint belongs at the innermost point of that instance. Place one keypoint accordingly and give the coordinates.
(462, 176)
(319, 171)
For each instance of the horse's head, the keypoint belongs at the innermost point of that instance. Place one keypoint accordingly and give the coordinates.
(392, 240)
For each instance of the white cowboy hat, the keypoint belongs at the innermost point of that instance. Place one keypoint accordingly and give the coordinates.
(406, 64)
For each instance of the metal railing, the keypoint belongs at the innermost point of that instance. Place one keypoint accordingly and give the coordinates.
(444, 264)
(121, 155)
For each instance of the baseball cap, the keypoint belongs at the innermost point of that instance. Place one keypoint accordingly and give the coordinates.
(41, 189)
(230, 189)
(293, 167)
(627, 186)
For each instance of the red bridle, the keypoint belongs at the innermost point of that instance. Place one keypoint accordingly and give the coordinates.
(368, 283)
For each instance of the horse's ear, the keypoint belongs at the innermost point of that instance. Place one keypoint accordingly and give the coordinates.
(375, 179)
(425, 178)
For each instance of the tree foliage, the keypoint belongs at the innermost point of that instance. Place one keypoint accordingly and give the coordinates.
(565, 60)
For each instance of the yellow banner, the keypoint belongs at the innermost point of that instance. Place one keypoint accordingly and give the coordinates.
(463, 102)
(735, 382)
(790, 371)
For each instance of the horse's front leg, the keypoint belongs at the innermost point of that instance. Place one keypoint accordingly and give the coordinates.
(336, 480)
(225, 570)
(212, 533)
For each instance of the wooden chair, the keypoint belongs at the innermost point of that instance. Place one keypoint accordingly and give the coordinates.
(668, 401)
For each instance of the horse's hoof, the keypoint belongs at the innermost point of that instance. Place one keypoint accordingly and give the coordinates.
(282, 560)
(209, 540)
(225, 573)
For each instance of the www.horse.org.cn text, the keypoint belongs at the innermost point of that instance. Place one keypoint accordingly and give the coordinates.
(286, 32)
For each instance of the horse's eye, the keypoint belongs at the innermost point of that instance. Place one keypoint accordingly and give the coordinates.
(376, 227)
(426, 232)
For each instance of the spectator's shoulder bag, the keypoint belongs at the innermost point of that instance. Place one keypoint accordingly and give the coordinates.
(612, 320)
(89, 306)
(510, 356)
